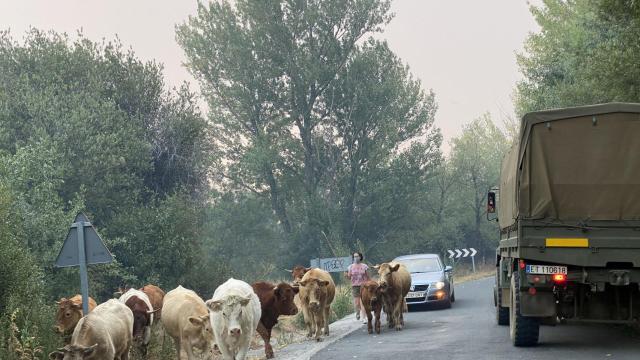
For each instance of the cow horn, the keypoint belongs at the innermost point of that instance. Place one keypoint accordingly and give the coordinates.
(153, 311)
(288, 270)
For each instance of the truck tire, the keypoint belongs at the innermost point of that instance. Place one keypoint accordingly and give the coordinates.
(502, 313)
(524, 330)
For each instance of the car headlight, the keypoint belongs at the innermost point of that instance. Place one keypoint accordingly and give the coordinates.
(438, 285)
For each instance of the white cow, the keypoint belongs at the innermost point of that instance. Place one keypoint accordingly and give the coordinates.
(104, 334)
(235, 314)
(186, 319)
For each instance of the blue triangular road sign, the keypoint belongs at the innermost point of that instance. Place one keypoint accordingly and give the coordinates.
(95, 250)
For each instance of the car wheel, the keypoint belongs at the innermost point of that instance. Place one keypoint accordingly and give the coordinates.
(447, 303)
(524, 330)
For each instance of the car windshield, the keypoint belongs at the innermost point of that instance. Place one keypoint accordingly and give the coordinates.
(421, 265)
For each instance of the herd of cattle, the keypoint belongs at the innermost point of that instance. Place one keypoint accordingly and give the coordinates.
(228, 321)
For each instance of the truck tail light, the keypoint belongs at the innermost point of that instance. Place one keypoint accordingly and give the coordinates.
(559, 278)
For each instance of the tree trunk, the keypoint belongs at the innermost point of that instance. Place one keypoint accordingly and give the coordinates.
(276, 202)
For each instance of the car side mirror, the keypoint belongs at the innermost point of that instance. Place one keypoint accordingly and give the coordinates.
(491, 202)
(448, 269)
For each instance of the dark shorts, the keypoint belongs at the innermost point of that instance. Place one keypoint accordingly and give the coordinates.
(355, 290)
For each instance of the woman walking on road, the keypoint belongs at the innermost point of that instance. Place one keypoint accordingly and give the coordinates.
(357, 273)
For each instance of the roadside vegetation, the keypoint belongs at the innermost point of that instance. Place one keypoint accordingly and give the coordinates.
(317, 141)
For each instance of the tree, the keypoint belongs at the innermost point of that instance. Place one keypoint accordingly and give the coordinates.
(477, 157)
(378, 107)
(585, 54)
(265, 68)
(88, 126)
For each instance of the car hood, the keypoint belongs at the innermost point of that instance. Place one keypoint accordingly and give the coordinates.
(426, 278)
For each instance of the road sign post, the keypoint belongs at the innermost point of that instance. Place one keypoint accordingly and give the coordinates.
(82, 247)
(84, 278)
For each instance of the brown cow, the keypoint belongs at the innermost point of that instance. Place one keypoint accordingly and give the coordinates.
(298, 272)
(69, 313)
(371, 298)
(156, 296)
(143, 315)
(394, 283)
(275, 300)
(317, 291)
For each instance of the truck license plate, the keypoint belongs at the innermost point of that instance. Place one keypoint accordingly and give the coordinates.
(415, 294)
(546, 269)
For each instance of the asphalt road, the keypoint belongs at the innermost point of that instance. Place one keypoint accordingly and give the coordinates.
(468, 331)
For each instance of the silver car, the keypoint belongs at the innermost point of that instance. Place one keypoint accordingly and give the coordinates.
(431, 281)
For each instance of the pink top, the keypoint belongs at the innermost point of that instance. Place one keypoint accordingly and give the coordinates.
(358, 274)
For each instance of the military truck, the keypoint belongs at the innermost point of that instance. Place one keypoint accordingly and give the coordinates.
(568, 206)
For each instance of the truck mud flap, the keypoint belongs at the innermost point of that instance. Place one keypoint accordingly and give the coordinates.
(542, 304)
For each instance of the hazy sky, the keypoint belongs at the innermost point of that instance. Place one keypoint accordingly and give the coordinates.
(462, 49)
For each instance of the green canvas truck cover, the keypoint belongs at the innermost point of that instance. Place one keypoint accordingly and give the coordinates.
(574, 164)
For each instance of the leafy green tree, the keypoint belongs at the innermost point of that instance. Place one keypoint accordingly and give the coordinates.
(585, 54)
(477, 157)
(266, 68)
(378, 108)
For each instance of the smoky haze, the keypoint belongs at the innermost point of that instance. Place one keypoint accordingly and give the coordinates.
(463, 50)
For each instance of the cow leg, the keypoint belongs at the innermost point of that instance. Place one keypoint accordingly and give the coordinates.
(226, 354)
(369, 318)
(327, 313)
(266, 337)
(187, 348)
(398, 315)
(244, 348)
(388, 311)
(312, 324)
(376, 310)
(177, 344)
(308, 320)
(319, 319)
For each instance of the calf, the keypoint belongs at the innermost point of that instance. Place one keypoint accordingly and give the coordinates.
(235, 314)
(371, 298)
(104, 334)
(275, 300)
(394, 283)
(69, 313)
(142, 310)
(186, 319)
(317, 291)
(156, 295)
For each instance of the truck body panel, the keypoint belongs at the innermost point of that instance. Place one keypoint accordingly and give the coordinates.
(570, 198)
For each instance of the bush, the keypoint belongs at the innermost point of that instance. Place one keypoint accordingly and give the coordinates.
(342, 304)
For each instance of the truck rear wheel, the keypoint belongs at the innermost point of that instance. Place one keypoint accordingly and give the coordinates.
(524, 330)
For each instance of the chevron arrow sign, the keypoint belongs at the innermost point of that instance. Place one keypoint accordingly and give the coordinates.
(458, 253)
